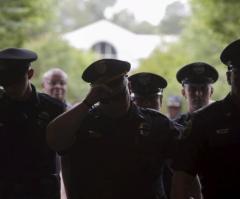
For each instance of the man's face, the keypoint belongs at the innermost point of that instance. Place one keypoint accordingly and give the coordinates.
(55, 85)
(235, 82)
(119, 98)
(197, 95)
(153, 102)
(18, 89)
(174, 111)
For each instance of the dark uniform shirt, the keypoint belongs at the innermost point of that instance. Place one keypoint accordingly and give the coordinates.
(211, 149)
(183, 119)
(113, 159)
(28, 166)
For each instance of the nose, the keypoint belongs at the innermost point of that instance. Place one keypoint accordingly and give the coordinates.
(58, 84)
(198, 93)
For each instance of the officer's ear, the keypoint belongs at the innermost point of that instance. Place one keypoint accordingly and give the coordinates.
(30, 73)
(229, 74)
(129, 87)
(183, 91)
(161, 99)
(211, 91)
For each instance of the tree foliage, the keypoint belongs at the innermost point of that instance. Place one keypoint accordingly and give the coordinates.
(222, 17)
(78, 13)
(21, 19)
(54, 52)
(174, 19)
(127, 20)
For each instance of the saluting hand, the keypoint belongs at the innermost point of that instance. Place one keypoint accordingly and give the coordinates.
(98, 93)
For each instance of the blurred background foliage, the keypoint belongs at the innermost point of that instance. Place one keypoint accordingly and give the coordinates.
(203, 32)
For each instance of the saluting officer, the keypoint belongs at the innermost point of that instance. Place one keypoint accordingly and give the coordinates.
(115, 149)
(196, 79)
(212, 141)
(147, 89)
(28, 166)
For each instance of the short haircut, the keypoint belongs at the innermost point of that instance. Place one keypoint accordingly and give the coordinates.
(52, 71)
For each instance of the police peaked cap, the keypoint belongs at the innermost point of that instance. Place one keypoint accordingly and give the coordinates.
(230, 55)
(197, 73)
(14, 62)
(147, 84)
(18, 54)
(104, 70)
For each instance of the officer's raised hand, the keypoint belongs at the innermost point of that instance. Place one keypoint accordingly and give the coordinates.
(107, 84)
(97, 93)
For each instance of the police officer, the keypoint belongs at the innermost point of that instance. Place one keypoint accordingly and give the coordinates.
(115, 148)
(196, 79)
(28, 165)
(212, 141)
(147, 89)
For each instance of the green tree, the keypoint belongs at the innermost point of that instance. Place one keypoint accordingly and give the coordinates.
(222, 17)
(174, 19)
(127, 20)
(77, 13)
(54, 52)
(21, 19)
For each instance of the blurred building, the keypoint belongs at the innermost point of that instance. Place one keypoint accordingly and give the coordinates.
(113, 41)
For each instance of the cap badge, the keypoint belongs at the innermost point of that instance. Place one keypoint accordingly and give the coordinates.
(144, 79)
(199, 69)
(101, 68)
(229, 63)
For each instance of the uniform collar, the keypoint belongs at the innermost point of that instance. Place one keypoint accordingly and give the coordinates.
(33, 99)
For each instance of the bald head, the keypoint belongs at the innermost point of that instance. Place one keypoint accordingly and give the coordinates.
(54, 83)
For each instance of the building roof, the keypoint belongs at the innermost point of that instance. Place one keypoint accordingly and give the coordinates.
(128, 45)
